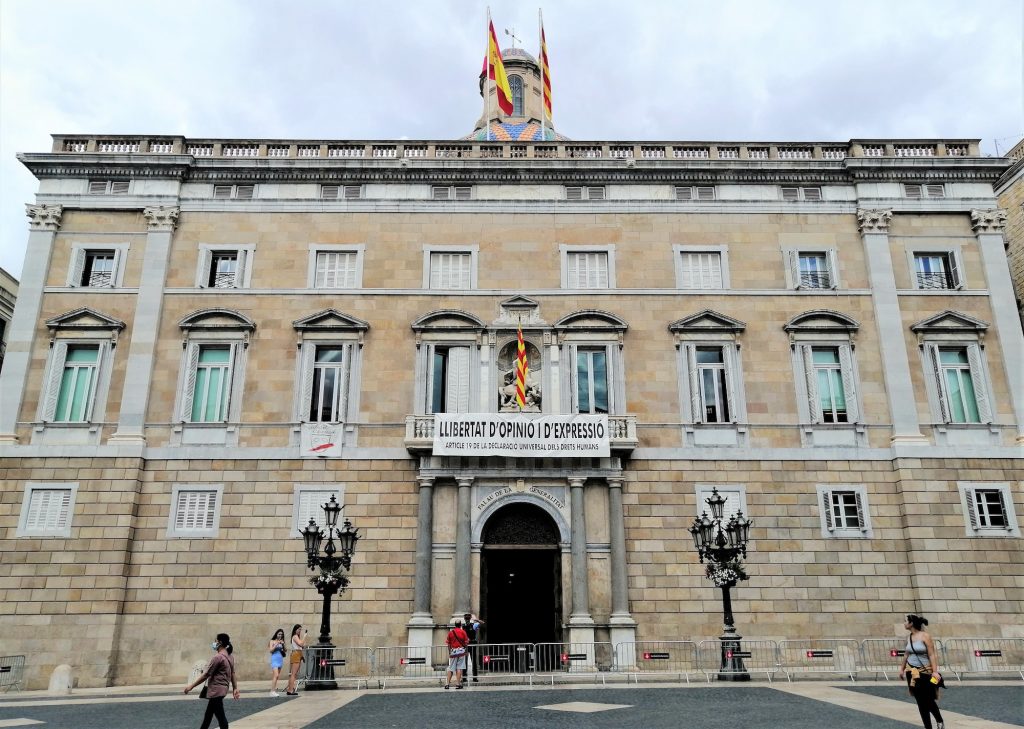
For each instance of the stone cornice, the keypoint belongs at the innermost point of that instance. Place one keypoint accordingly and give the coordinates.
(44, 217)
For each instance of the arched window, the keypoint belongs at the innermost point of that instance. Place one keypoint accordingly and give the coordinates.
(516, 84)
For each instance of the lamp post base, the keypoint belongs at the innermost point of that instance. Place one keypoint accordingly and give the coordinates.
(320, 673)
(732, 668)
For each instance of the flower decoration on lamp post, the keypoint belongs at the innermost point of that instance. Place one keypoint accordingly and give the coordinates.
(723, 544)
(333, 562)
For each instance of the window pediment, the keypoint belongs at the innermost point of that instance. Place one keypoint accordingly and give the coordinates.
(85, 319)
(217, 319)
(330, 321)
(950, 322)
(591, 320)
(822, 321)
(448, 320)
(707, 321)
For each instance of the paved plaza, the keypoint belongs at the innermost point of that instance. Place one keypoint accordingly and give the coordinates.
(835, 705)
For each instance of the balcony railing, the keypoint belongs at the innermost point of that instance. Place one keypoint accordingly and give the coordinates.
(419, 432)
(934, 280)
(815, 280)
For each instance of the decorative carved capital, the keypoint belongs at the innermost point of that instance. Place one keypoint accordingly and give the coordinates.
(988, 221)
(874, 221)
(44, 217)
(161, 217)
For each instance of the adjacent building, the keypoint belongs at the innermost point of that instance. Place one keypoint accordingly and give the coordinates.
(214, 336)
(8, 295)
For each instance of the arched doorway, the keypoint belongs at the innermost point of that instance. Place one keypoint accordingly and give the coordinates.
(521, 576)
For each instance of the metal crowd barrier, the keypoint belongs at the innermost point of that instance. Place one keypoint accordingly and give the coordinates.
(664, 658)
(409, 662)
(12, 670)
(341, 665)
(502, 659)
(818, 656)
(984, 655)
(553, 659)
(758, 656)
(885, 656)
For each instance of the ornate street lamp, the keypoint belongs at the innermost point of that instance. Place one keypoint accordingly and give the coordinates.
(723, 546)
(330, 582)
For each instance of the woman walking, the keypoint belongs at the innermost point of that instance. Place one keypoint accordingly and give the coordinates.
(219, 676)
(921, 667)
(298, 646)
(277, 651)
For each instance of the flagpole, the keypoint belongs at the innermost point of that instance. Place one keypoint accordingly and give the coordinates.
(487, 79)
(540, 58)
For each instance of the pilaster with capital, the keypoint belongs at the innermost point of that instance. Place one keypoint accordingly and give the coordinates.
(874, 221)
(621, 623)
(44, 217)
(463, 535)
(161, 217)
(421, 625)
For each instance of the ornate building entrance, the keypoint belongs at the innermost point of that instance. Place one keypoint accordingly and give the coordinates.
(520, 576)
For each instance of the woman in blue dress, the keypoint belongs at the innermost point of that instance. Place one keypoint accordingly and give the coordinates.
(277, 651)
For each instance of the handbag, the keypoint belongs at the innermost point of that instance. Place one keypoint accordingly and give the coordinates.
(202, 694)
(460, 651)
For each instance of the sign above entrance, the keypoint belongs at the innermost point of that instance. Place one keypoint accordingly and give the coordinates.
(521, 436)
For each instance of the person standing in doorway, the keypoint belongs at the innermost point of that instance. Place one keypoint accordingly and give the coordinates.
(457, 642)
(220, 677)
(296, 659)
(472, 628)
(921, 667)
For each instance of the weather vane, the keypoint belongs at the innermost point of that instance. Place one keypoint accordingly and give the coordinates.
(512, 34)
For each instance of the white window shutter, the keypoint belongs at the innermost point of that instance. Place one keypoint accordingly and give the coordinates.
(205, 261)
(346, 375)
(849, 384)
(189, 383)
(229, 379)
(793, 262)
(59, 354)
(458, 380)
(308, 357)
(353, 192)
(1002, 508)
(115, 267)
(595, 193)
(935, 191)
(862, 523)
(598, 275)
(77, 268)
(101, 357)
(572, 273)
(812, 194)
(826, 510)
(833, 268)
(972, 508)
(731, 377)
(980, 386)
(684, 193)
(574, 193)
(790, 194)
(913, 192)
(705, 193)
(811, 380)
(48, 510)
(697, 412)
(429, 351)
(574, 404)
(241, 262)
(954, 270)
(310, 503)
(329, 192)
(940, 385)
(440, 193)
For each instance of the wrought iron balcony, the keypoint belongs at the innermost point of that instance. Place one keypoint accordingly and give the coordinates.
(419, 433)
(935, 280)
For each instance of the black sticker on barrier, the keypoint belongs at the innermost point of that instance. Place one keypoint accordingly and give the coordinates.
(656, 656)
(6, 669)
(819, 654)
(576, 657)
(334, 662)
(414, 661)
(737, 654)
(988, 654)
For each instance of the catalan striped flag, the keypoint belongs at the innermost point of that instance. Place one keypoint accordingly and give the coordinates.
(545, 73)
(495, 69)
(522, 369)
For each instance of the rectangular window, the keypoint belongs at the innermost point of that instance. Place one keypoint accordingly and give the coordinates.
(309, 501)
(195, 511)
(212, 384)
(224, 267)
(459, 192)
(223, 270)
(989, 509)
(337, 270)
(936, 271)
(829, 377)
(98, 269)
(47, 510)
(238, 192)
(701, 270)
(587, 270)
(592, 380)
(814, 271)
(920, 191)
(806, 194)
(108, 187)
(713, 382)
(326, 403)
(735, 500)
(576, 192)
(695, 193)
(448, 380)
(958, 385)
(844, 512)
(77, 384)
(451, 270)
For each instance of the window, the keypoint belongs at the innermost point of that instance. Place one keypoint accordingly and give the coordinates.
(938, 270)
(341, 192)
(47, 510)
(212, 385)
(211, 381)
(460, 192)
(735, 500)
(588, 268)
(224, 267)
(515, 83)
(591, 380)
(195, 511)
(448, 380)
(329, 346)
(713, 388)
(97, 267)
(77, 390)
(326, 404)
(956, 375)
(695, 193)
(236, 192)
(109, 187)
(584, 193)
(450, 268)
(309, 500)
(812, 269)
(829, 376)
(337, 270)
(806, 194)
(701, 268)
(593, 377)
(989, 510)
(823, 358)
(844, 512)
(918, 192)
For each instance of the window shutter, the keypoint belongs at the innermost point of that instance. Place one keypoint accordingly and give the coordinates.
(790, 194)
(793, 262)
(458, 380)
(1002, 508)
(101, 355)
(428, 406)
(940, 385)
(595, 193)
(574, 193)
(812, 194)
(353, 192)
(913, 192)
(77, 268)
(849, 385)
(684, 193)
(189, 384)
(115, 267)
(245, 192)
(439, 193)
(221, 192)
(49, 510)
(241, 264)
(329, 192)
(980, 385)
(972, 508)
(310, 503)
(705, 193)
(308, 357)
(573, 357)
(205, 262)
(597, 276)
(119, 187)
(229, 376)
(811, 380)
(826, 510)
(731, 378)
(572, 264)
(60, 352)
(463, 193)
(935, 191)
(954, 270)
(97, 187)
(346, 373)
(862, 523)
(833, 268)
(693, 378)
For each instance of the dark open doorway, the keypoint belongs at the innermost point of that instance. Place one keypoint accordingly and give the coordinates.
(521, 577)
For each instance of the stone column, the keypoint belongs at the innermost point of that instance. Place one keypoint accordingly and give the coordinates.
(581, 624)
(988, 226)
(874, 230)
(463, 565)
(44, 222)
(623, 627)
(131, 423)
(421, 625)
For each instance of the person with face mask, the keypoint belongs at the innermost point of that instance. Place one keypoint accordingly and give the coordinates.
(220, 677)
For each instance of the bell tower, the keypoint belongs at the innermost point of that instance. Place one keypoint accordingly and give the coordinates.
(524, 123)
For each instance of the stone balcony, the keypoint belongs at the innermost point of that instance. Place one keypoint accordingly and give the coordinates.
(419, 433)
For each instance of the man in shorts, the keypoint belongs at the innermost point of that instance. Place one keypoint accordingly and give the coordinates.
(472, 627)
(457, 641)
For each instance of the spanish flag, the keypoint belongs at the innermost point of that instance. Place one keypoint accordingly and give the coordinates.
(522, 368)
(495, 70)
(545, 73)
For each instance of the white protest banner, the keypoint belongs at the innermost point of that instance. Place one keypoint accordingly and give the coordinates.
(521, 436)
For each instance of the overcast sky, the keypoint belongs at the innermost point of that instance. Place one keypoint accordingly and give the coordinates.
(743, 70)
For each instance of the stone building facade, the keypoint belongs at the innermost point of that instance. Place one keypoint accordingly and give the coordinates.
(1010, 194)
(213, 336)
(8, 295)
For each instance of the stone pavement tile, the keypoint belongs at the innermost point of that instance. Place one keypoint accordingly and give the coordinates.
(965, 705)
(298, 712)
(129, 713)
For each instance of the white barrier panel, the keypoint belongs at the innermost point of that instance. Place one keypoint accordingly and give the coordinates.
(342, 665)
(755, 656)
(985, 656)
(394, 663)
(818, 656)
(663, 658)
(555, 659)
